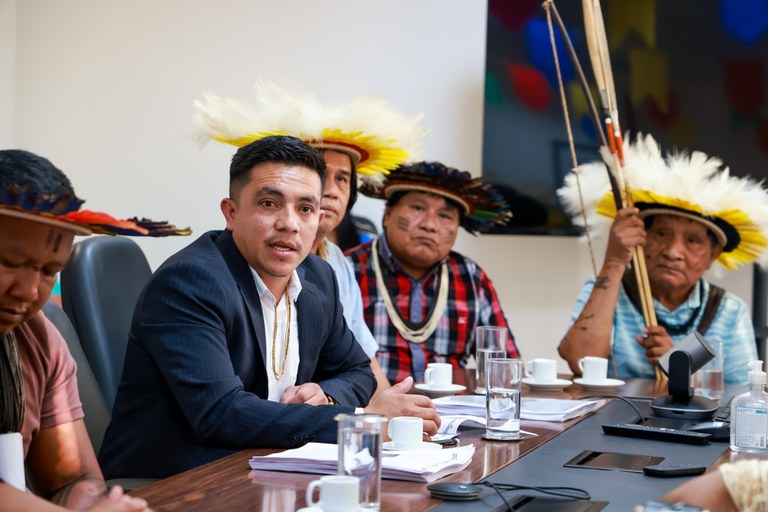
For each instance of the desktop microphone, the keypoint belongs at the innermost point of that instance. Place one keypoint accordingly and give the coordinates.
(682, 362)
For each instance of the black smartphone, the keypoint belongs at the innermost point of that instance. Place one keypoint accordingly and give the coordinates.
(447, 442)
(673, 470)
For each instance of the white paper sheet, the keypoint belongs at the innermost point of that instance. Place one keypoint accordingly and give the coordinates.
(541, 409)
(12, 460)
(415, 465)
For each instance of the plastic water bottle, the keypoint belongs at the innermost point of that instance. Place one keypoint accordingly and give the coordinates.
(749, 414)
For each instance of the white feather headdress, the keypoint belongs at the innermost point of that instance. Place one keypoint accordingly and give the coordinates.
(376, 137)
(692, 185)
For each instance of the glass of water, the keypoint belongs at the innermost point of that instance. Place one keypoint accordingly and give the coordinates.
(502, 398)
(359, 437)
(490, 343)
(709, 381)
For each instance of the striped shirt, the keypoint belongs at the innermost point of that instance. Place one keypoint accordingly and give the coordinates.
(349, 296)
(732, 325)
(472, 301)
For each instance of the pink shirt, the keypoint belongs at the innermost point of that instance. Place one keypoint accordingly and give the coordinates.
(50, 382)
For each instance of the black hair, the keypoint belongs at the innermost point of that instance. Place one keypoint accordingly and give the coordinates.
(273, 149)
(352, 186)
(397, 196)
(28, 171)
(346, 234)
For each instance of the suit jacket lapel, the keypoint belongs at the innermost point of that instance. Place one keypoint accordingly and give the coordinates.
(308, 322)
(242, 274)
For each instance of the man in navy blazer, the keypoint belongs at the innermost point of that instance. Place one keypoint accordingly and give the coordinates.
(238, 340)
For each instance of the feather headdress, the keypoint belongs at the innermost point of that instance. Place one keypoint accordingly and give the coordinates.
(32, 188)
(376, 137)
(694, 185)
(481, 205)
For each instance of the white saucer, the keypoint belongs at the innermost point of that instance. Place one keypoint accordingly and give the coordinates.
(606, 384)
(440, 390)
(389, 447)
(320, 509)
(555, 385)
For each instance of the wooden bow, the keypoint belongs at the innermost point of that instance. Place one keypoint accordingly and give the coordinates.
(610, 136)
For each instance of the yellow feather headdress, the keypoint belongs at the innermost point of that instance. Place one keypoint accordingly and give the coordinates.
(375, 136)
(693, 185)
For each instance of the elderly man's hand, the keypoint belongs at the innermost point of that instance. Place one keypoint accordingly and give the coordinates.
(307, 393)
(656, 342)
(394, 402)
(627, 232)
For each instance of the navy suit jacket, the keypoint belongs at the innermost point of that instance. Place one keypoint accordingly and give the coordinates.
(194, 384)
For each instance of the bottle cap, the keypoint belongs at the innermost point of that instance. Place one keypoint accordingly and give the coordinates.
(756, 374)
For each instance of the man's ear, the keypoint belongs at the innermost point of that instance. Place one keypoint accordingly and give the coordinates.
(716, 251)
(385, 217)
(321, 217)
(229, 209)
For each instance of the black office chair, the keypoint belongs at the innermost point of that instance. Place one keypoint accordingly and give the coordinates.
(760, 310)
(97, 413)
(99, 289)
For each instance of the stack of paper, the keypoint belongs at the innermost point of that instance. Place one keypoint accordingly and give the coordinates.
(416, 465)
(555, 409)
(450, 423)
(542, 409)
(470, 405)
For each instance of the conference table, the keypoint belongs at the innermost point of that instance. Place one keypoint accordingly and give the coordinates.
(229, 484)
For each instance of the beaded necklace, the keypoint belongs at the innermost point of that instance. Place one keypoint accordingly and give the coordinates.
(414, 333)
(279, 375)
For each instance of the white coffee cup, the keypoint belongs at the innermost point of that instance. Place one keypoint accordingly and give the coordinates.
(438, 375)
(593, 369)
(542, 370)
(338, 493)
(406, 432)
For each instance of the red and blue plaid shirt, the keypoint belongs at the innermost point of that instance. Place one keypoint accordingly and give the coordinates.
(472, 301)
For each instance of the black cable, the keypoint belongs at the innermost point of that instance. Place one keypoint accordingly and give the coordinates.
(573, 493)
(498, 491)
(623, 399)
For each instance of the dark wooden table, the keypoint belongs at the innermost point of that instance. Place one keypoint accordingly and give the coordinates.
(228, 484)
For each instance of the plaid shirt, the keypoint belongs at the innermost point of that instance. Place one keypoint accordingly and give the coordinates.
(472, 301)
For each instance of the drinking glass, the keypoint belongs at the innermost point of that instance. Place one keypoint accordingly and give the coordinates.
(502, 398)
(359, 438)
(709, 381)
(490, 343)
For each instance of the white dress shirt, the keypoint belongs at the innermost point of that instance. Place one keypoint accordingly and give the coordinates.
(278, 386)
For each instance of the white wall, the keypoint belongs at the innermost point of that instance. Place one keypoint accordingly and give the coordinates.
(105, 89)
(7, 70)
